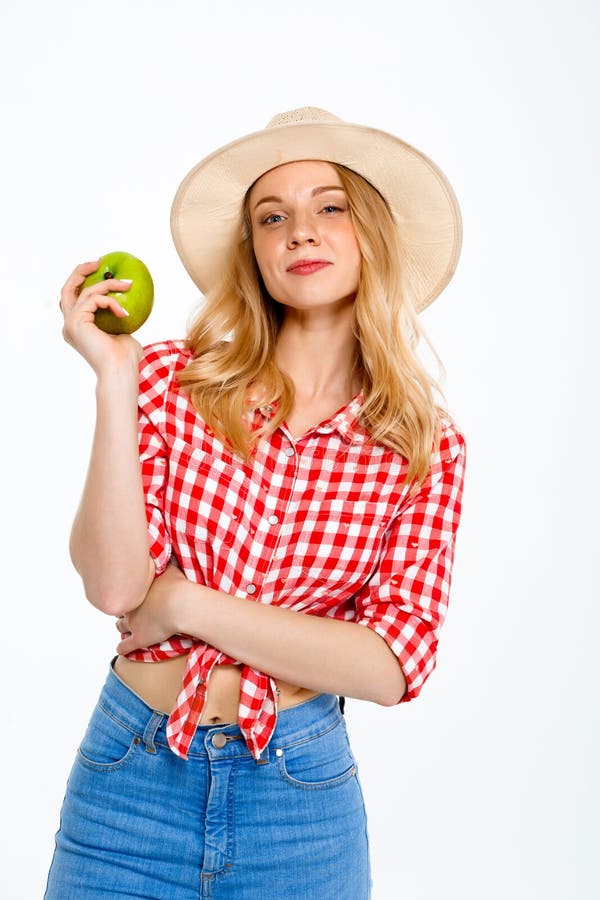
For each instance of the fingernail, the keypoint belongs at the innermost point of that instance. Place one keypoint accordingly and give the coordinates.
(124, 310)
(126, 280)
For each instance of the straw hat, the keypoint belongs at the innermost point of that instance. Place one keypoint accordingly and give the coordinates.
(205, 214)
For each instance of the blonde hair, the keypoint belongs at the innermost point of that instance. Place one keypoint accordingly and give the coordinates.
(233, 336)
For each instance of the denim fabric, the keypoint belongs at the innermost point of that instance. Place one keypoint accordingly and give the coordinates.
(138, 821)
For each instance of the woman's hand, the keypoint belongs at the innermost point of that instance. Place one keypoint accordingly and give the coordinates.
(101, 350)
(157, 618)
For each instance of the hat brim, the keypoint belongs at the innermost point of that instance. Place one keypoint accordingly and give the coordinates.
(205, 214)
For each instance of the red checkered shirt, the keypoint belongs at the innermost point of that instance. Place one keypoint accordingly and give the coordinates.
(321, 524)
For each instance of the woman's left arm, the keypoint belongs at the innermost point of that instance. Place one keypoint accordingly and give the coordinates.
(318, 653)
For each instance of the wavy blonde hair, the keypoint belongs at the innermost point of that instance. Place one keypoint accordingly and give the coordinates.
(233, 336)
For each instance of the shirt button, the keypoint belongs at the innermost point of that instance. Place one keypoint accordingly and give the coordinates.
(250, 588)
(289, 451)
(273, 520)
(219, 740)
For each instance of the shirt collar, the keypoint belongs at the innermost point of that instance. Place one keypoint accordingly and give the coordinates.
(345, 421)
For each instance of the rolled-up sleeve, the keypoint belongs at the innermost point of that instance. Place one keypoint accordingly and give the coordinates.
(154, 379)
(406, 599)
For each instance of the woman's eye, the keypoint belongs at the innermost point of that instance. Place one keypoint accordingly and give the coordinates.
(275, 218)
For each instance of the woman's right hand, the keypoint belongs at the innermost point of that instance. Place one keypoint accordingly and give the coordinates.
(101, 350)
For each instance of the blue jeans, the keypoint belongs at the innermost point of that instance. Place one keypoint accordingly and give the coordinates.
(138, 821)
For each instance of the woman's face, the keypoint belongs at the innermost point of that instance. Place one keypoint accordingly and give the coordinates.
(299, 212)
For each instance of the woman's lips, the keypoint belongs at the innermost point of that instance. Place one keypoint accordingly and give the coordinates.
(308, 268)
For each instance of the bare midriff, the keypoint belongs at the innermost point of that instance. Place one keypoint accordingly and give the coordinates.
(159, 684)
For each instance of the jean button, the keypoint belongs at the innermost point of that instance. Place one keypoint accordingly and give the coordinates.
(219, 740)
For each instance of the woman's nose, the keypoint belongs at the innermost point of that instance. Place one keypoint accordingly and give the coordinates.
(302, 232)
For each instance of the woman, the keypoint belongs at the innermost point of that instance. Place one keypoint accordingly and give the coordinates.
(270, 513)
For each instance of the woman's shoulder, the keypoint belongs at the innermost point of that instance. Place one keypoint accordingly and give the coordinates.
(159, 361)
(158, 364)
(452, 440)
(162, 355)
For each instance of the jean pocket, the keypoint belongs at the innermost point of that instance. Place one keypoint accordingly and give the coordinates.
(107, 744)
(324, 761)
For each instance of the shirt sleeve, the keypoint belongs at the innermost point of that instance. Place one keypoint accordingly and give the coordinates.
(406, 599)
(155, 375)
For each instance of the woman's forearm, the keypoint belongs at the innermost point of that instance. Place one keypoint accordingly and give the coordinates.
(109, 539)
(319, 653)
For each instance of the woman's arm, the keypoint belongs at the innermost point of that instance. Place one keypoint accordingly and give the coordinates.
(318, 653)
(109, 538)
(385, 656)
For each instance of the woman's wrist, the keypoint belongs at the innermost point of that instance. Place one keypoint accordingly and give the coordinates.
(189, 602)
(118, 377)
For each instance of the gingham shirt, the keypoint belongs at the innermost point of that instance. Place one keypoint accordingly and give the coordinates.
(320, 524)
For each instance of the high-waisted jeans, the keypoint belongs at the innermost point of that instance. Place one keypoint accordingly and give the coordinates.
(138, 821)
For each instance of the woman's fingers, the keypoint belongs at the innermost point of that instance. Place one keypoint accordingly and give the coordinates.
(101, 350)
(70, 289)
(81, 313)
(126, 643)
(95, 296)
(122, 628)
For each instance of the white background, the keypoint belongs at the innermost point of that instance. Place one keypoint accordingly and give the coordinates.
(486, 786)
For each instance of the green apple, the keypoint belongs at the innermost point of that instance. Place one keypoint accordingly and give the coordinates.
(137, 300)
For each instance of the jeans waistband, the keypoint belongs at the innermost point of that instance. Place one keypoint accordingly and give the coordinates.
(295, 724)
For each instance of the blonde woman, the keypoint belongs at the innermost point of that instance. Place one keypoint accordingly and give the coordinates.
(270, 514)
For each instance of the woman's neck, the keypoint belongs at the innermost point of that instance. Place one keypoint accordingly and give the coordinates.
(319, 358)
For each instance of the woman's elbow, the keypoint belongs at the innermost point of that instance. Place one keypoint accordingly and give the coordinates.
(117, 596)
(392, 686)
(112, 603)
(391, 699)
(392, 695)
(387, 681)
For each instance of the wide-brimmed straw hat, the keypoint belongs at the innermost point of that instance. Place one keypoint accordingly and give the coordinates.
(205, 216)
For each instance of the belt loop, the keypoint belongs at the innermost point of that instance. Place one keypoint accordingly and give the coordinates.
(342, 702)
(150, 732)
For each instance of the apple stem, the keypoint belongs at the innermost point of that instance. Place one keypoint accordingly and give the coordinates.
(108, 275)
